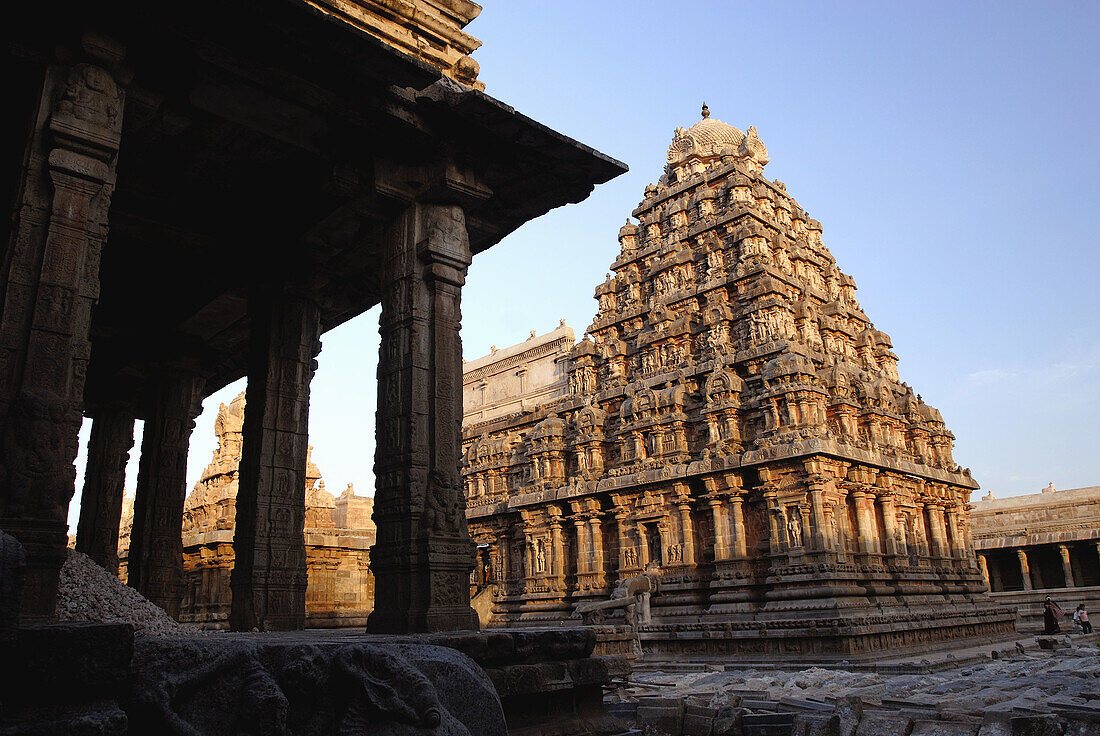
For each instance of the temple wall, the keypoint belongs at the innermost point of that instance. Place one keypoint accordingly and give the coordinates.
(1040, 541)
(517, 378)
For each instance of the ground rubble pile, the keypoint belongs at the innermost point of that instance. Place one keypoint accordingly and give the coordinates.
(87, 592)
(1040, 694)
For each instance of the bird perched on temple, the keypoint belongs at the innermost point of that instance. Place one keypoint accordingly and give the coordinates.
(1020, 648)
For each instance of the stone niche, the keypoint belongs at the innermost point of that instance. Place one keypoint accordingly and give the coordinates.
(734, 427)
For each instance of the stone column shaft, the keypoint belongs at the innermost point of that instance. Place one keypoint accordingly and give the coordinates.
(595, 536)
(1025, 569)
(739, 547)
(104, 479)
(890, 521)
(155, 559)
(983, 565)
(423, 554)
(269, 546)
(721, 533)
(817, 513)
(939, 543)
(49, 281)
(557, 568)
(584, 557)
(643, 546)
(1067, 569)
(864, 532)
(687, 533)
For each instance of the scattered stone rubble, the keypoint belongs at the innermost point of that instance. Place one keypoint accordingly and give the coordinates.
(87, 592)
(1040, 692)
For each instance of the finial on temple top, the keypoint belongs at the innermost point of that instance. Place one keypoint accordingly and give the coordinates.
(706, 111)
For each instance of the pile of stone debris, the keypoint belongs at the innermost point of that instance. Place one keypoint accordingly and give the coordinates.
(87, 592)
(1041, 693)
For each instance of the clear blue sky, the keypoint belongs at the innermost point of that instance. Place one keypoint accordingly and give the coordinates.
(949, 149)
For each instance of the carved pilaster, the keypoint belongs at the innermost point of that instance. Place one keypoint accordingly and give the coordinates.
(1025, 569)
(104, 478)
(1067, 568)
(269, 571)
(50, 283)
(424, 554)
(155, 560)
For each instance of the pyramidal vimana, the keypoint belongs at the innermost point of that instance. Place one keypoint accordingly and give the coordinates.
(733, 426)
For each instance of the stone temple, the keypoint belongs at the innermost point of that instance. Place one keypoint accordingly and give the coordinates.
(733, 426)
(338, 533)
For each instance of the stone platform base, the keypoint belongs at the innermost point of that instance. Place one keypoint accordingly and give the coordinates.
(850, 637)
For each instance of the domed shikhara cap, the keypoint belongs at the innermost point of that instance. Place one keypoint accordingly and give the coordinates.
(706, 138)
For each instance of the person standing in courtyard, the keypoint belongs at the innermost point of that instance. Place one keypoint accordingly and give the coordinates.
(1081, 616)
(1051, 613)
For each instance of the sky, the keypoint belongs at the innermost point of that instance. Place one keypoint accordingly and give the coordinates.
(950, 151)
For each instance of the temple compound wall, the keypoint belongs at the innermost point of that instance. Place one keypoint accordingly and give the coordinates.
(338, 532)
(733, 426)
(1040, 544)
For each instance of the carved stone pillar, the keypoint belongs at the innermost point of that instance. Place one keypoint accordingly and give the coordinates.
(864, 532)
(584, 557)
(817, 514)
(557, 550)
(1025, 569)
(777, 531)
(643, 546)
(1067, 569)
(739, 546)
(890, 524)
(721, 533)
(155, 560)
(423, 557)
(983, 565)
(104, 478)
(953, 535)
(935, 528)
(49, 281)
(595, 538)
(624, 542)
(269, 569)
(688, 533)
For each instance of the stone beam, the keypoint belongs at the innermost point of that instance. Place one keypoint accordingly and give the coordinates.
(424, 554)
(50, 281)
(104, 481)
(155, 560)
(269, 572)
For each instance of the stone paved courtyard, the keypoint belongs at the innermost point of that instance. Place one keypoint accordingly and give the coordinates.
(981, 692)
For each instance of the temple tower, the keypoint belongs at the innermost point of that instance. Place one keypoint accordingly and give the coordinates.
(735, 427)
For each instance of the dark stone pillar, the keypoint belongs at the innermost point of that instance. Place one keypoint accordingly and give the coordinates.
(423, 557)
(50, 281)
(269, 569)
(155, 561)
(104, 480)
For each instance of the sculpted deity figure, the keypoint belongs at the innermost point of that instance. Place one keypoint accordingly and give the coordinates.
(794, 529)
(540, 556)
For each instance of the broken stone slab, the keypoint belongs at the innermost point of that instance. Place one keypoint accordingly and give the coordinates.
(944, 728)
(816, 724)
(805, 705)
(727, 722)
(849, 709)
(767, 724)
(698, 720)
(884, 724)
(1037, 725)
(661, 716)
